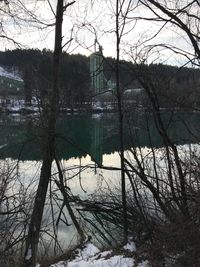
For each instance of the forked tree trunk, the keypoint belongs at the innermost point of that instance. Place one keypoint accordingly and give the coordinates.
(48, 155)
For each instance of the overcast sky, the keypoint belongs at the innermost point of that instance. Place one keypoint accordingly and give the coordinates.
(87, 20)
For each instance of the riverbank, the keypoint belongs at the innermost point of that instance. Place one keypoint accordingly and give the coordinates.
(88, 255)
(21, 108)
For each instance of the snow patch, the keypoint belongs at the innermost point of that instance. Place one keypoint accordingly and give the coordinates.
(130, 246)
(89, 251)
(10, 75)
(90, 256)
(116, 261)
(97, 116)
(28, 254)
(105, 253)
(143, 264)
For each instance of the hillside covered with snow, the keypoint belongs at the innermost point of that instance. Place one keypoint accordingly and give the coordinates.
(14, 75)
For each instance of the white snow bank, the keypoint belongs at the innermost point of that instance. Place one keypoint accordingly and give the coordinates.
(115, 261)
(90, 256)
(19, 105)
(89, 251)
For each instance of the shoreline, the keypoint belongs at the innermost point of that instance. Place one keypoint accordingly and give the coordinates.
(35, 110)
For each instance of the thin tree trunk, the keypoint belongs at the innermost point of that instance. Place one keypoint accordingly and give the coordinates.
(121, 133)
(62, 189)
(36, 217)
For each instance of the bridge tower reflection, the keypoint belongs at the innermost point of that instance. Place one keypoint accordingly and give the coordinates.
(96, 148)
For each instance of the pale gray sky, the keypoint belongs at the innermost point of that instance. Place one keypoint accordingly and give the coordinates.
(87, 20)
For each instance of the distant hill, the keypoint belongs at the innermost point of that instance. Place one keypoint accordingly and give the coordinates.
(11, 83)
(174, 86)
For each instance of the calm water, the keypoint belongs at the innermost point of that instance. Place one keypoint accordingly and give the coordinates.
(95, 135)
(83, 140)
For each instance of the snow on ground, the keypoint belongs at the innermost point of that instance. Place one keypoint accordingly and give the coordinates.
(10, 75)
(19, 105)
(130, 246)
(90, 256)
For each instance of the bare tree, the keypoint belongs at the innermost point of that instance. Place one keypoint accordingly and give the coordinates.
(184, 15)
(13, 213)
(159, 178)
(49, 148)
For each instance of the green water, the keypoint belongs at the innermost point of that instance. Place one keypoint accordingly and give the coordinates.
(94, 135)
(79, 139)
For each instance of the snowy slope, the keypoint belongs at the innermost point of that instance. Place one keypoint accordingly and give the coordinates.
(90, 256)
(11, 75)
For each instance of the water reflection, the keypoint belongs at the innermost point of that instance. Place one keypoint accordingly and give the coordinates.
(81, 135)
(82, 139)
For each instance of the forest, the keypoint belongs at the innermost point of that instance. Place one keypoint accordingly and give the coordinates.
(176, 87)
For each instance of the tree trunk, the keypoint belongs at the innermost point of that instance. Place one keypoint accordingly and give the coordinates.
(121, 122)
(48, 156)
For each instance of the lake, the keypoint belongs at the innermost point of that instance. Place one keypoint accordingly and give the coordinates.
(85, 142)
(92, 134)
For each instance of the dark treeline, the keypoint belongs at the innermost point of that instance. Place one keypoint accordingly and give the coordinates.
(35, 67)
(174, 86)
